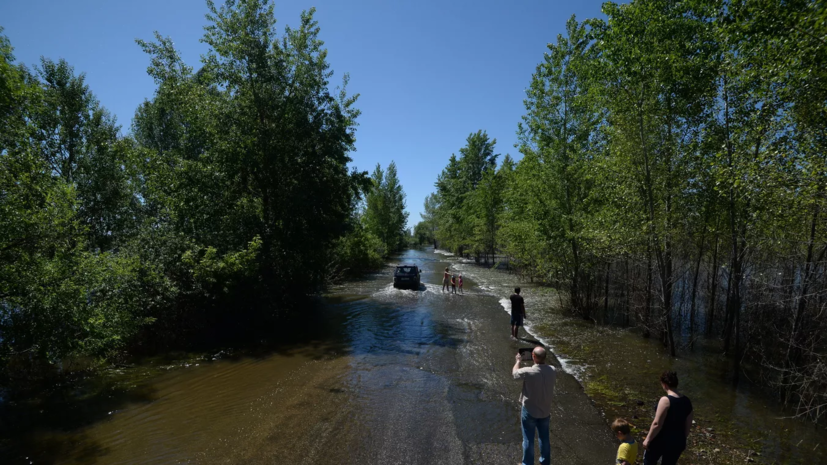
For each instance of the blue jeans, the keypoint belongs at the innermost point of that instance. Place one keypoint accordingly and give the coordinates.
(529, 425)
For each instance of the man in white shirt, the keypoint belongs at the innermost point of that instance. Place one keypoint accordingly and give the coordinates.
(536, 398)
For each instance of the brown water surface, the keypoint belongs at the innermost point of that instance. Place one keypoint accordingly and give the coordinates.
(620, 369)
(372, 375)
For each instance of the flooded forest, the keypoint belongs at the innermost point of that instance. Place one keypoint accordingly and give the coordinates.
(672, 180)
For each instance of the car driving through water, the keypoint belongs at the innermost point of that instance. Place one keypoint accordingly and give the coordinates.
(406, 276)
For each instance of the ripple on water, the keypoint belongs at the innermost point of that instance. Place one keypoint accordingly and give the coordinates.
(606, 356)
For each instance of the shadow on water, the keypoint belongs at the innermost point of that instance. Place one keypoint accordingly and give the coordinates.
(534, 342)
(363, 318)
(34, 429)
(46, 424)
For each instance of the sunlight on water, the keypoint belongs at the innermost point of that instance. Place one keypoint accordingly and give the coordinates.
(373, 372)
(621, 368)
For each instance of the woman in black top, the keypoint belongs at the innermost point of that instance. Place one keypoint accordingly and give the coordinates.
(670, 428)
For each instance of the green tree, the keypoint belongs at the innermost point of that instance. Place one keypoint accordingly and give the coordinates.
(422, 234)
(484, 207)
(58, 299)
(78, 139)
(429, 220)
(559, 126)
(449, 190)
(658, 89)
(476, 158)
(254, 138)
(455, 186)
(385, 214)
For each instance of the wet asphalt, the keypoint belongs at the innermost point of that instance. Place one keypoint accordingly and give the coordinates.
(431, 374)
(374, 375)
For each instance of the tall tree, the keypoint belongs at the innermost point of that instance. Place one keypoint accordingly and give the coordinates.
(385, 214)
(429, 216)
(658, 88)
(78, 139)
(558, 127)
(456, 185)
(254, 138)
(58, 298)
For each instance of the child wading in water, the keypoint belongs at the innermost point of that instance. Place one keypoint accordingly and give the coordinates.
(453, 284)
(627, 452)
(460, 283)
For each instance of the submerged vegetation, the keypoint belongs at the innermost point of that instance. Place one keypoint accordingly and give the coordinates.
(673, 178)
(229, 198)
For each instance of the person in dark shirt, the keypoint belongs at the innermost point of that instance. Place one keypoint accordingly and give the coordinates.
(517, 312)
(670, 428)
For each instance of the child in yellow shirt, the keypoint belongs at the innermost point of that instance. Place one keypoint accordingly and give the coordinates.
(627, 452)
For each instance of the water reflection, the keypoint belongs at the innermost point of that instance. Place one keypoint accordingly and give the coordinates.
(367, 374)
(622, 368)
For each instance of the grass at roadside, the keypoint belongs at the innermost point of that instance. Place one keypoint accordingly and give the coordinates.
(715, 438)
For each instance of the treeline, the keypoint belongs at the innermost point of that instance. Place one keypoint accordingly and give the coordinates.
(465, 213)
(229, 199)
(673, 178)
(378, 224)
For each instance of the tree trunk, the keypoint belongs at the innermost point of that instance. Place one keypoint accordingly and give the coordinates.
(727, 308)
(606, 293)
(734, 291)
(588, 299)
(648, 306)
(793, 350)
(628, 291)
(695, 293)
(713, 289)
(576, 298)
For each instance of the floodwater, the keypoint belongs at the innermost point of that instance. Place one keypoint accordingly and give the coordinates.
(621, 369)
(372, 375)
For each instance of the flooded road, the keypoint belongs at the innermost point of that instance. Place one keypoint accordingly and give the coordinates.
(374, 375)
(620, 370)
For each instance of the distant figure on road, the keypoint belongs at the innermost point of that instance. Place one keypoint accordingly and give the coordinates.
(536, 398)
(517, 312)
(460, 283)
(670, 428)
(627, 452)
(453, 284)
(445, 279)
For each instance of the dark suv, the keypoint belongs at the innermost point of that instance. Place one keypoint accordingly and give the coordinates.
(406, 276)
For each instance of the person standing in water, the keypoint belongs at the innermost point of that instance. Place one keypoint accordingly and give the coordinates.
(536, 398)
(445, 279)
(517, 312)
(460, 283)
(670, 428)
(453, 284)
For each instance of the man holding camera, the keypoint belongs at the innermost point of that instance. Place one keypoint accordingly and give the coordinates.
(536, 398)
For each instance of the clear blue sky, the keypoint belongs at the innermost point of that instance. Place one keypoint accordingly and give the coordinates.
(429, 72)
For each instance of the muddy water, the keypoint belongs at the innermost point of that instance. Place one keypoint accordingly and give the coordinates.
(620, 369)
(371, 375)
